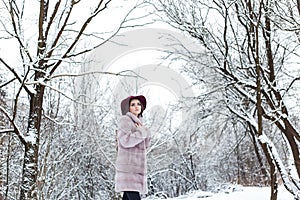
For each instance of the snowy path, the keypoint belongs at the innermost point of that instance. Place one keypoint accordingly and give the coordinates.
(246, 193)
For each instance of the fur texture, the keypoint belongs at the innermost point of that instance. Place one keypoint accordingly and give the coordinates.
(131, 163)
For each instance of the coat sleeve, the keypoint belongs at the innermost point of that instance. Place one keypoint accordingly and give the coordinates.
(127, 137)
(148, 139)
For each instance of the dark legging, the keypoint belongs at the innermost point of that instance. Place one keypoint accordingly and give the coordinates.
(129, 195)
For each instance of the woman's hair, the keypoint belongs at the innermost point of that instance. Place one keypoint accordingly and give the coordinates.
(142, 109)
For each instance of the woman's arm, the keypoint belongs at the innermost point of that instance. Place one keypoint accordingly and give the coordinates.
(128, 138)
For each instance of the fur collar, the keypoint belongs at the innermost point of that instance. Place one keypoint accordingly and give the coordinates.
(134, 118)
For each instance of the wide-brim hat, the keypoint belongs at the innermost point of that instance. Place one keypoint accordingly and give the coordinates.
(125, 103)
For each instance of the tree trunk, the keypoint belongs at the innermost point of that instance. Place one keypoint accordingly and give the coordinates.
(298, 6)
(30, 165)
(263, 170)
(290, 133)
(2, 160)
(274, 185)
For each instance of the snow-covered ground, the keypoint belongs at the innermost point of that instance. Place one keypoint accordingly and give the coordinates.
(242, 193)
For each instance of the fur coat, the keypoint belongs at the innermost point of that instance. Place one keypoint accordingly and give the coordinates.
(131, 163)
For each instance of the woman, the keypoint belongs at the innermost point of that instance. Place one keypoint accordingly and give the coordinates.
(133, 141)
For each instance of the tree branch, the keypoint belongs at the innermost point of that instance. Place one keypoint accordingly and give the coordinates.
(14, 125)
(11, 11)
(6, 131)
(65, 55)
(8, 82)
(98, 72)
(16, 76)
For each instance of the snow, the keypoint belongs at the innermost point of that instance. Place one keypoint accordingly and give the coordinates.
(291, 185)
(263, 138)
(242, 193)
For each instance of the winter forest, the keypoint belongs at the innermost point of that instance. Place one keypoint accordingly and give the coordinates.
(222, 79)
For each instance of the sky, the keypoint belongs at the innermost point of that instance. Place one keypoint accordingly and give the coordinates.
(134, 58)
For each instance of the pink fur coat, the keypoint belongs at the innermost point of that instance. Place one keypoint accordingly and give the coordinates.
(131, 163)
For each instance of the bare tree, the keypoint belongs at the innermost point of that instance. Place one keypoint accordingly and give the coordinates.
(58, 38)
(2, 138)
(248, 44)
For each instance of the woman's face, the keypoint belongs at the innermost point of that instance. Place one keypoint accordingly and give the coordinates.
(135, 107)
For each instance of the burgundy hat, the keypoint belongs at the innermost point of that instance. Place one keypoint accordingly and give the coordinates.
(125, 103)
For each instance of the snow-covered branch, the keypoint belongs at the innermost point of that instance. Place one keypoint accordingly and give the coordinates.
(276, 158)
(16, 129)
(12, 70)
(6, 131)
(122, 73)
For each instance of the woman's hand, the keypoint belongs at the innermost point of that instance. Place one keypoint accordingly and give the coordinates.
(138, 125)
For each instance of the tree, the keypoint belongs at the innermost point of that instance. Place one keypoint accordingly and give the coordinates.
(253, 45)
(2, 138)
(45, 42)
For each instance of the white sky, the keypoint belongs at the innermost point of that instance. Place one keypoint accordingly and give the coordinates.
(109, 19)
